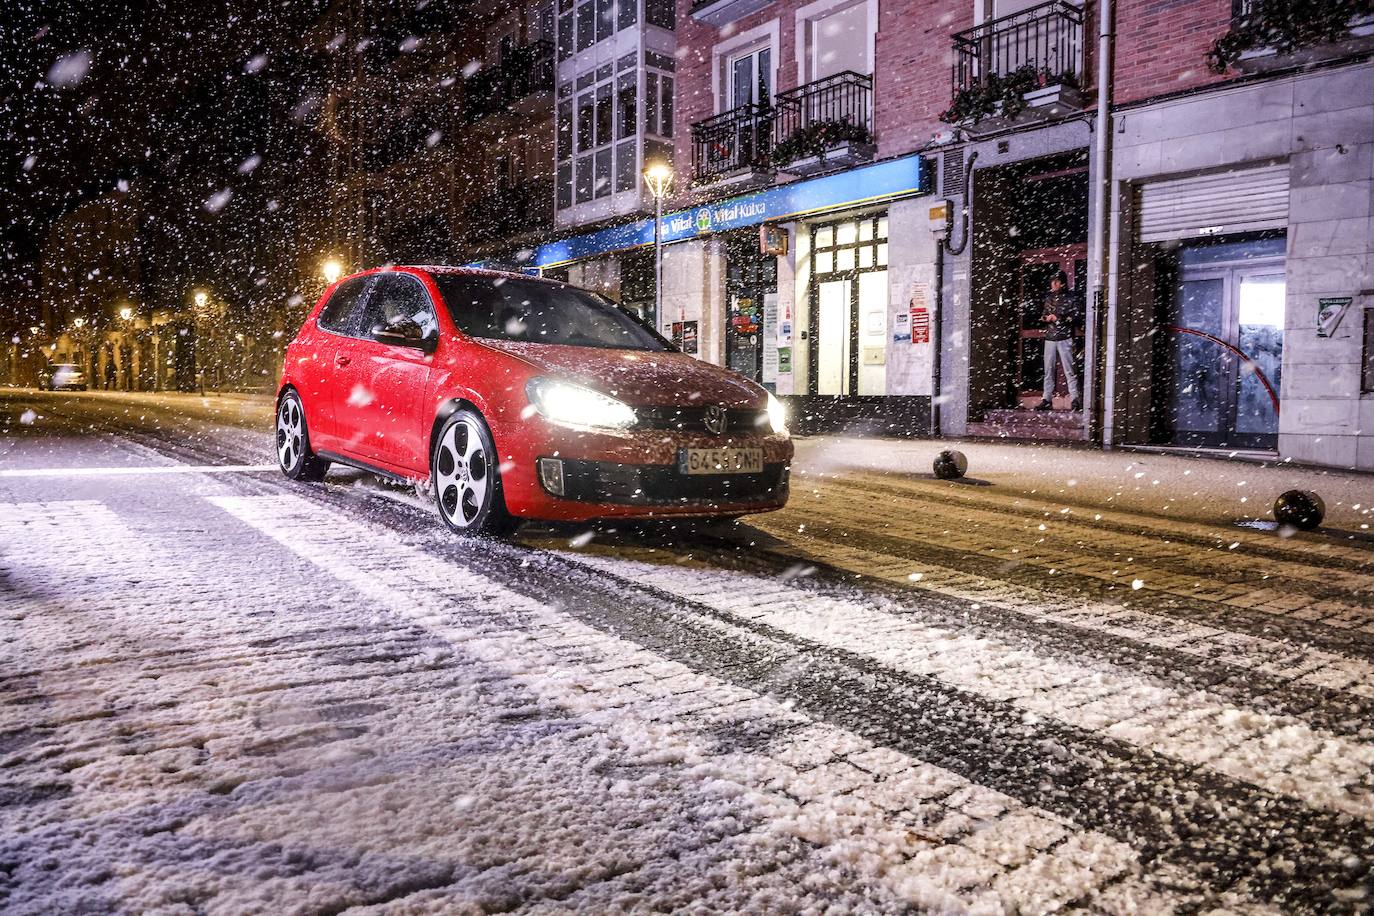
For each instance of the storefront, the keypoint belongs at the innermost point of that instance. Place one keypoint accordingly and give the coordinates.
(1242, 291)
(798, 287)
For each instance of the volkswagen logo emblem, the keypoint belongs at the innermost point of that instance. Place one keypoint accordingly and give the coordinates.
(715, 419)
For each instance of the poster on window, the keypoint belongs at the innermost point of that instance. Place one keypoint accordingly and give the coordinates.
(689, 338)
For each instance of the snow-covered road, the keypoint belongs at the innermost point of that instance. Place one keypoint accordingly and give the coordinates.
(228, 693)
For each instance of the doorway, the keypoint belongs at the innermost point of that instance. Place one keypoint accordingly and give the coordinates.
(849, 307)
(1035, 270)
(1220, 353)
(750, 277)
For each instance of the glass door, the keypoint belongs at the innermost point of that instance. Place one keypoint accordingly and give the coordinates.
(849, 313)
(751, 78)
(1225, 347)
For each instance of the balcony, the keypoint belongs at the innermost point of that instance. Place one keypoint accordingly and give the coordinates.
(824, 125)
(528, 70)
(1267, 35)
(721, 13)
(509, 212)
(733, 147)
(1024, 67)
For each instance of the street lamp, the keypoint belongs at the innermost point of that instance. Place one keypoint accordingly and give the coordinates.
(126, 313)
(200, 299)
(658, 176)
(331, 269)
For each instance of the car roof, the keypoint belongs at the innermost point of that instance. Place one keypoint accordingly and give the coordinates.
(451, 270)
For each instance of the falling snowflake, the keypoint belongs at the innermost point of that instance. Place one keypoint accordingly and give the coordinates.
(217, 201)
(70, 70)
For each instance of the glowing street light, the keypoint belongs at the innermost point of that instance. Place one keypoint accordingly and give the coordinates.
(200, 298)
(78, 322)
(331, 269)
(126, 313)
(658, 176)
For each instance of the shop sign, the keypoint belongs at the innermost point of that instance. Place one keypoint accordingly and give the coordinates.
(1330, 311)
(878, 181)
(784, 360)
(772, 241)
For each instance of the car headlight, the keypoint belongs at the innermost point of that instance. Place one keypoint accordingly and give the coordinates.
(777, 414)
(573, 405)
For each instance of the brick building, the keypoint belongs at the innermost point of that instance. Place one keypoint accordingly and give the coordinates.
(1203, 220)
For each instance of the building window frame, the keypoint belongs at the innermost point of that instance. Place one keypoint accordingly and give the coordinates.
(802, 35)
(767, 35)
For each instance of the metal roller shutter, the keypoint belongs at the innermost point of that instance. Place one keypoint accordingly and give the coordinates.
(1244, 200)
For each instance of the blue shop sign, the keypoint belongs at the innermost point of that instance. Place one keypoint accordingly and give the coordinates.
(882, 180)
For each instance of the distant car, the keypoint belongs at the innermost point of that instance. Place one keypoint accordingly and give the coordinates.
(63, 377)
(519, 397)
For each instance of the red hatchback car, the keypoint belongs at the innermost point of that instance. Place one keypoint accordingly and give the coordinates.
(519, 397)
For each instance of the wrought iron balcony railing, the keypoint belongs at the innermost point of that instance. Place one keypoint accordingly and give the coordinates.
(1047, 39)
(838, 108)
(733, 140)
(526, 70)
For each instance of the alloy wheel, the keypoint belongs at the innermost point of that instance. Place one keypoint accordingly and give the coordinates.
(462, 473)
(290, 433)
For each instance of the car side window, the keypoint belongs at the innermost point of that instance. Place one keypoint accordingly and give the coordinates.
(396, 297)
(337, 314)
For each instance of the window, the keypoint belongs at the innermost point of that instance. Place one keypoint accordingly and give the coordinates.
(1367, 373)
(337, 314)
(567, 40)
(564, 198)
(660, 13)
(603, 114)
(586, 25)
(396, 297)
(629, 13)
(586, 121)
(605, 19)
(625, 101)
(839, 41)
(541, 312)
(565, 136)
(750, 78)
(658, 104)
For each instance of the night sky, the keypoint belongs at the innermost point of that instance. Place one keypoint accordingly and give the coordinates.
(204, 112)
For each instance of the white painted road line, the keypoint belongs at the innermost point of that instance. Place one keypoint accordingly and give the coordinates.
(120, 472)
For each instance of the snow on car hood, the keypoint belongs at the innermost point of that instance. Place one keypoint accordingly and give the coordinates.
(640, 378)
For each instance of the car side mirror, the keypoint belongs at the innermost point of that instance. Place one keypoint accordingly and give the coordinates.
(404, 332)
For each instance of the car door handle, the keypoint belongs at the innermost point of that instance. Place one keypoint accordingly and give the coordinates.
(341, 361)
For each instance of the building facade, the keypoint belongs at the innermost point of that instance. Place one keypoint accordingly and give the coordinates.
(872, 197)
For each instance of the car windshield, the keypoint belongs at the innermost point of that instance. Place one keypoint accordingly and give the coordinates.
(541, 312)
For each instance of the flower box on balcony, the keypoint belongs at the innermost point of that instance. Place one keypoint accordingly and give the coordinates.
(841, 155)
(1360, 41)
(1025, 95)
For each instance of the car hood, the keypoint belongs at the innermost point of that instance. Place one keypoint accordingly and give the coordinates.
(639, 378)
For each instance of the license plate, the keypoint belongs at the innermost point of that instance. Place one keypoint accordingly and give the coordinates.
(720, 461)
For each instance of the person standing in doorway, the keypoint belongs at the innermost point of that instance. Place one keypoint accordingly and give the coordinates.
(1061, 313)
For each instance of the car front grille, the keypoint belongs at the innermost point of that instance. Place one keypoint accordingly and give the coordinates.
(693, 420)
(659, 485)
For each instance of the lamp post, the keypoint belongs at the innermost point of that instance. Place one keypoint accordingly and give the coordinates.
(331, 270)
(658, 176)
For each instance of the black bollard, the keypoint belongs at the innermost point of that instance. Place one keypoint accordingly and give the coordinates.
(950, 465)
(1299, 508)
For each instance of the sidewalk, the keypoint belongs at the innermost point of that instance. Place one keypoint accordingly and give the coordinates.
(1208, 490)
(1202, 489)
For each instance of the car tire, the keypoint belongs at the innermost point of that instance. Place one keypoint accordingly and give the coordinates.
(466, 477)
(294, 456)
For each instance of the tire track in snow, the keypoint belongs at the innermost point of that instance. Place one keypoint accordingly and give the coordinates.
(1280, 754)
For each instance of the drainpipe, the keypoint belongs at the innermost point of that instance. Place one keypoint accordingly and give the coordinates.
(1098, 258)
(937, 320)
